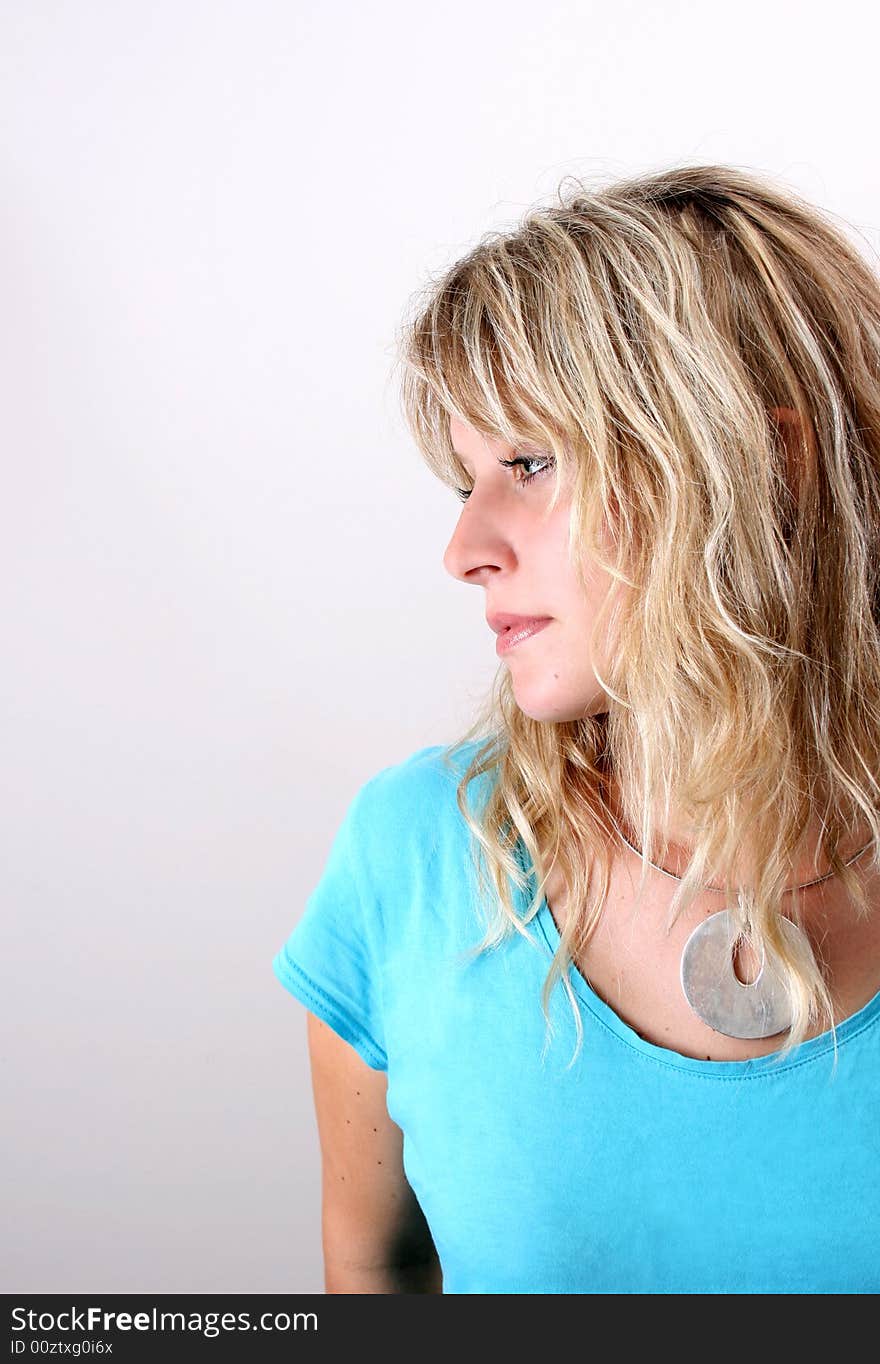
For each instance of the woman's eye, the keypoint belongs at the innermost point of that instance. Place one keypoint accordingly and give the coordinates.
(524, 461)
(521, 461)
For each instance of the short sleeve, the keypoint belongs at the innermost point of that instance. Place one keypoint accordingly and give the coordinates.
(332, 960)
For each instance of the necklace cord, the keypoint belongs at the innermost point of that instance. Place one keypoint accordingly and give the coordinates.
(719, 890)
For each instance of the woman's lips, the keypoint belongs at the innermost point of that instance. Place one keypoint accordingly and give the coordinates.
(512, 635)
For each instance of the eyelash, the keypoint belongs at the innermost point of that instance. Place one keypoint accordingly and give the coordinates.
(523, 460)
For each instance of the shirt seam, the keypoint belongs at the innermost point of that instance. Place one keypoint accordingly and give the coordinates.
(291, 973)
(763, 1074)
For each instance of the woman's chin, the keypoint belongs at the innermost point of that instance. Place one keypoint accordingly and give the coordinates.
(558, 709)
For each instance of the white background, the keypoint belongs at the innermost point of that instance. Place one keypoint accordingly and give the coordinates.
(223, 603)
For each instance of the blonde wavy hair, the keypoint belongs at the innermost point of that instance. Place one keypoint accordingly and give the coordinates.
(643, 332)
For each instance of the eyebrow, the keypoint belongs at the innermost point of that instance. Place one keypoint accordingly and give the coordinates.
(519, 452)
(464, 458)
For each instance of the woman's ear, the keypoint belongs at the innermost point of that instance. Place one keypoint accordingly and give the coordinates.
(798, 442)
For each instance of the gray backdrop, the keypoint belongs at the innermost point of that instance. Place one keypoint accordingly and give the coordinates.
(223, 603)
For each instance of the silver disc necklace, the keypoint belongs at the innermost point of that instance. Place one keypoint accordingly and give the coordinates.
(708, 974)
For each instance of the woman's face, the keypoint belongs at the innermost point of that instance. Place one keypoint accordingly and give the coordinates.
(506, 543)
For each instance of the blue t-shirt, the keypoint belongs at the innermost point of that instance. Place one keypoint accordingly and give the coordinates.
(636, 1170)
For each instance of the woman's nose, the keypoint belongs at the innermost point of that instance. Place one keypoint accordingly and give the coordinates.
(476, 548)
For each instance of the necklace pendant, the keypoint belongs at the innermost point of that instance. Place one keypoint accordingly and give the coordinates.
(715, 992)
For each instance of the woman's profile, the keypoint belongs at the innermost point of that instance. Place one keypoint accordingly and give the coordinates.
(593, 993)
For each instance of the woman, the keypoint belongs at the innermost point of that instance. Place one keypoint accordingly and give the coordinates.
(660, 404)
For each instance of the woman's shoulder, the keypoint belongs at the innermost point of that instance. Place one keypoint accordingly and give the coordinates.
(410, 802)
(434, 770)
